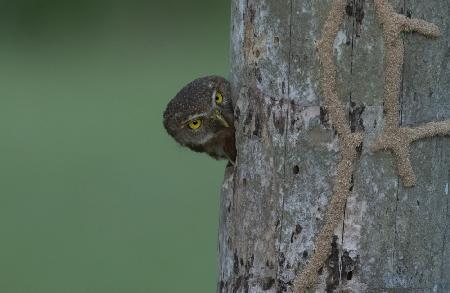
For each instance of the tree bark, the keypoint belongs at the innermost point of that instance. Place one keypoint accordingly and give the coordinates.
(276, 200)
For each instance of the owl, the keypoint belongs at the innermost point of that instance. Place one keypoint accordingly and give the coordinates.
(201, 117)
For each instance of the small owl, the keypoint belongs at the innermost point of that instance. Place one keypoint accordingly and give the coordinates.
(201, 117)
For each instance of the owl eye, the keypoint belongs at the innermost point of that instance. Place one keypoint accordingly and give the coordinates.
(219, 98)
(195, 123)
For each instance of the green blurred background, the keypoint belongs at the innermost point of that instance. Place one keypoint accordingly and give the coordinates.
(94, 195)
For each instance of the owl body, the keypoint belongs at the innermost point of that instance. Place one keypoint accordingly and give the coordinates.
(201, 117)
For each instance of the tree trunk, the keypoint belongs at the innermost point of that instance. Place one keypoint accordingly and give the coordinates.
(320, 196)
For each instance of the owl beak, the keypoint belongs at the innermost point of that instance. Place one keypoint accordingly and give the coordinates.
(217, 116)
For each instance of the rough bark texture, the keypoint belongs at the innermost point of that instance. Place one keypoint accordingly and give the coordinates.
(273, 204)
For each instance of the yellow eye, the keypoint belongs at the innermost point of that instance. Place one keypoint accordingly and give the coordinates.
(195, 124)
(219, 98)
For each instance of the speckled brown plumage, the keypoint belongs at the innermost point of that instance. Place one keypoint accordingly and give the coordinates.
(196, 100)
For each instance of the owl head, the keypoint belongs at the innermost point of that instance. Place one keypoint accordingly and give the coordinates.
(200, 112)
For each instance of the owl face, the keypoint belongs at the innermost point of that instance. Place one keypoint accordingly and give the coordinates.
(200, 112)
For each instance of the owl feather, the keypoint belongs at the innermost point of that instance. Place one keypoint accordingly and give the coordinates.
(201, 117)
